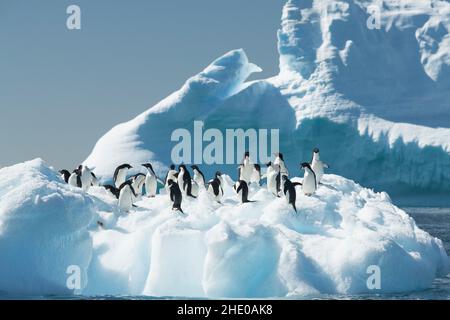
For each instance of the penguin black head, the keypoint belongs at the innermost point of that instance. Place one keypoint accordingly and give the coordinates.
(218, 174)
(246, 154)
(194, 167)
(172, 167)
(182, 166)
(170, 183)
(306, 165)
(64, 172)
(257, 167)
(80, 167)
(285, 178)
(148, 166)
(279, 155)
(316, 150)
(125, 166)
(269, 164)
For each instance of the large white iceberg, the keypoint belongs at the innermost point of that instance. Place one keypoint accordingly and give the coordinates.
(376, 101)
(260, 249)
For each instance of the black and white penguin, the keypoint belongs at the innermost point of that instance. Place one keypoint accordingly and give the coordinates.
(151, 181)
(246, 168)
(65, 175)
(126, 196)
(175, 195)
(115, 192)
(215, 188)
(290, 192)
(86, 178)
(309, 180)
(199, 177)
(279, 160)
(138, 182)
(120, 174)
(273, 179)
(241, 189)
(75, 179)
(256, 174)
(185, 181)
(318, 166)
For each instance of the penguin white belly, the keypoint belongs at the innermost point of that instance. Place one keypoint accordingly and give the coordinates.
(126, 199)
(256, 177)
(73, 180)
(181, 182)
(195, 189)
(121, 178)
(199, 180)
(318, 168)
(272, 183)
(151, 185)
(86, 182)
(247, 172)
(309, 184)
(288, 197)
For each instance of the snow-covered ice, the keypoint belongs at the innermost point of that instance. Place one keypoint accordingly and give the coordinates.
(260, 249)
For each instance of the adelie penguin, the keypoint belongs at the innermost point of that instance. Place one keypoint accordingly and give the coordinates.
(199, 177)
(318, 166)
(273, 179)
(120, 174)
(151, 181)
(309, 180)
(86, 178)
(215, 187)
(138, 182)
(65, 175)
(290, 192)
(279, 160)
(175, 195)
(241, 189)
(185, 181)
(246, 168)
(126, 196)
(75, 179)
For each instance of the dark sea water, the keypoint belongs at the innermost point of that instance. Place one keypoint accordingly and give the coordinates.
(435, 221)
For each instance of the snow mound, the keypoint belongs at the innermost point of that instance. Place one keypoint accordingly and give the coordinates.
(260, 249)
(375, 100)
(43, 230)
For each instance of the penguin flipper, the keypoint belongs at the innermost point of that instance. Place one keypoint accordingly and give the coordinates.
(295, 184)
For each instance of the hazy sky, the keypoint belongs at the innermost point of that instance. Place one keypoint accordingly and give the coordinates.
(61, 90)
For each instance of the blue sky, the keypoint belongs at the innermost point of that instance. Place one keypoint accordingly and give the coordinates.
(61, 90)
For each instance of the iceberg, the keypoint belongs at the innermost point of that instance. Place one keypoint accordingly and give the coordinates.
(376, 101)
(255, 250)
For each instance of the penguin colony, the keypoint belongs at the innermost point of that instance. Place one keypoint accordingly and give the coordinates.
(180, 183)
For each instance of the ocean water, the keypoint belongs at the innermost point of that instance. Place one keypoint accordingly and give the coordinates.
(435, 221)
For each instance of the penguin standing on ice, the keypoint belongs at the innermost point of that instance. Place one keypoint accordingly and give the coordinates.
(289, 191)
(241, 189)
(138, 182)
(185, 181)
(215, 187)
(246, 168)
(318, 166)
(75, 179)
(120, 175)
(199, 177)
(65, 175)
(151, 181)
(126, 196)
(256, 174)
(309, 180)
(273, 179)
(175, 195)
(86, 178)
(279, 160)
